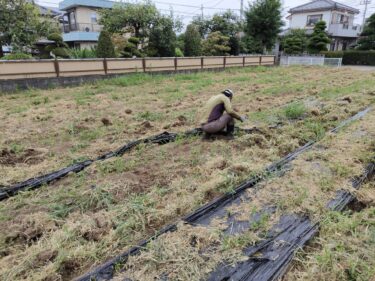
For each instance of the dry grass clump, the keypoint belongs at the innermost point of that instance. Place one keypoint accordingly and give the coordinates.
(316, 176)
(192, 252)
(343, 251)
(366, 195)
(178, 255)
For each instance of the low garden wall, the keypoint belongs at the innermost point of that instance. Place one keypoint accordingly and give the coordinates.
(48, 73)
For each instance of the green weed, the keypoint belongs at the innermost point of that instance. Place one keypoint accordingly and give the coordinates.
(315, 131)
(341, 170)
(115, 166)
(149, 116)
(231, 242)
(326, 184)
(294, 110)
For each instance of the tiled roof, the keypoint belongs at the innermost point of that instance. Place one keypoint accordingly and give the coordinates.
(48, 10)
(319, 5)
(66, 4)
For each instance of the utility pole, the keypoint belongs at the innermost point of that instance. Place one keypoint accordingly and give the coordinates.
(366, 3)
(241, 15)
(202, 11)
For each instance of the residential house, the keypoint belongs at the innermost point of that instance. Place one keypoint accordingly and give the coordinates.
(80, 23)
(338, 17)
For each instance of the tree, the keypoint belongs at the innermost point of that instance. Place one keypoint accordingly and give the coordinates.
(367, 40)
(193, 44)
(131, 48)
(263, 23)
(319, 38)
(181, 41)
(21, 25)
(293, 45)
(234, 44)
(227, 23)
(252, 45)
(163, 39)
(203, 25)
(216, 44)
(59, 48)
(137, 19)
(105, 46)
(119, 42)
(295, 42)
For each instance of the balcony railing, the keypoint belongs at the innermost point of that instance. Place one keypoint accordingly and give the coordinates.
(344, 30)
(84, 27)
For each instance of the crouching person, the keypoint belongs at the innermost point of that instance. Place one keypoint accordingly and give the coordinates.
(218, 114)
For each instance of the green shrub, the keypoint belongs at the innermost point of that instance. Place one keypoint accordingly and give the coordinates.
(82, 53)
(61, 52)
(55, 37)
(58, 48)
(359, 58)
(179, 53)
(105, 47)
(131, 48)
(17, 56)
(333, 54)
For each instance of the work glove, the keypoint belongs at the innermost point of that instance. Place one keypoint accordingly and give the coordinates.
(243, 118)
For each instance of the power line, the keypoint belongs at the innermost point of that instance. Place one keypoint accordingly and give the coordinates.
(199, 7)
(241, 12)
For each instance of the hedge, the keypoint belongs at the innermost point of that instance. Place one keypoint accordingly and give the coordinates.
(331, 54)
(353, 57)
(359, 57)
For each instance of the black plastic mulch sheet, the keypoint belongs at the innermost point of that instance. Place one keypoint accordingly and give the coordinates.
(269, 259)
(298, 230)
(163, 138)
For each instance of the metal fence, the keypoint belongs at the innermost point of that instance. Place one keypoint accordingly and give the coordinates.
(310, 60)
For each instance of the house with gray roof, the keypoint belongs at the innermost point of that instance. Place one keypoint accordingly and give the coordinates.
(338, 17)
(80, 20)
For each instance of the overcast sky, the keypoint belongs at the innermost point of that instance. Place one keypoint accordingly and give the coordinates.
(182, 7)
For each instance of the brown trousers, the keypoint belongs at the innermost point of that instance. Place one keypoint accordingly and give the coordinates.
(219, 124)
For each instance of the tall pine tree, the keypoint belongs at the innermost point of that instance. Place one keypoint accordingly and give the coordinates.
(319, 39)
(295, 42)
(193, 44)
(263, 23)
(216, 44)
(105, 46)
(163, 39)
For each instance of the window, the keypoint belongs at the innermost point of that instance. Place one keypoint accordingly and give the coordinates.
(94, 18)
(72, 21)
(343, 19)
(72, 17)
(313, 19)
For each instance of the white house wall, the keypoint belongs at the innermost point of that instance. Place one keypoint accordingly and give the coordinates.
(300, 20)
(83, 14)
